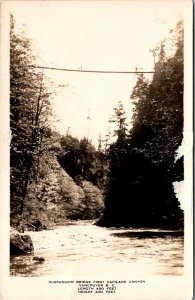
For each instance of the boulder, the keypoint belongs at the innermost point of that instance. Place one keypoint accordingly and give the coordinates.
(20, 243)
(39, 259)
(35, 225)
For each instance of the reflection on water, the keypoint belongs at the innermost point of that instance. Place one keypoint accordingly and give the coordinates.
(83, 245)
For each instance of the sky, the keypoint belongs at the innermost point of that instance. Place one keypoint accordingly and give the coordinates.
(96, 35)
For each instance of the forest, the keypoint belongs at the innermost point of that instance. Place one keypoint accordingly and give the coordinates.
(127, 181)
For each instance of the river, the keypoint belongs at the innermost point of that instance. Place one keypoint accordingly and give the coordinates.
(81, 247)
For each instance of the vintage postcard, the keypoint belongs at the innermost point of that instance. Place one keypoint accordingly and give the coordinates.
(96, 150)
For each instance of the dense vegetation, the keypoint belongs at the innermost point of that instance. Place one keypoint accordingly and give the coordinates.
(142, 162)
(29, 110)
(41, 192)
(128, 182)
(83, 162)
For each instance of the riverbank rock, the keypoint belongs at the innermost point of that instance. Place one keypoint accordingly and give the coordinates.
(20, 243)
(35, 225)
(38, 259)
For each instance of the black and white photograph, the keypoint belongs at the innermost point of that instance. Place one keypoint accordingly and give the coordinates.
(96, 141)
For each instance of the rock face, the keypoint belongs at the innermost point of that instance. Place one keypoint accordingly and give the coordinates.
(20, 243)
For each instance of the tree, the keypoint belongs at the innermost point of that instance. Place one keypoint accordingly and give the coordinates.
(29, 109)
(119, 120)
(82, 161)
(140, 191)
(117, 148)
(158, 106)
(92, 204)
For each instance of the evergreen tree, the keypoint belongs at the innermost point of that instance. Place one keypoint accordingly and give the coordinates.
(119, 119)
(83, 162)
(140, 191)
(158, 107)
(29, 109)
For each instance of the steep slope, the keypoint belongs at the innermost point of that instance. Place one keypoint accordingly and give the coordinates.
(54, 197)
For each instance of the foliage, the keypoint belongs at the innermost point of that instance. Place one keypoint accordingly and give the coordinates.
(41, 191)
(140, 191)
(82, 161)
(29, 109)
(158, 106)
(92, 204)
(119, 119)
(118, 129)
(53, 178)
(52, 195)
(56, 197)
